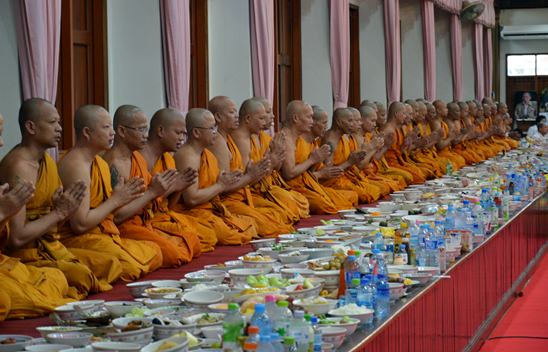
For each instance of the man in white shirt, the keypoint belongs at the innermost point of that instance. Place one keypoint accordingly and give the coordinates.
(541, 136)
(534, 129)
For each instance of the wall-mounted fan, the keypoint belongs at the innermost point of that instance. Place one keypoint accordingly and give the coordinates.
(471, 10)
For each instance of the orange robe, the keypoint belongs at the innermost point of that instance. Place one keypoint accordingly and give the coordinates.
(447, 152)
(27, 291)
(136, 257)
(352, 178)
(270, 219)
(222, 226)
(273, 187)
(429, 156)
(48, 251)
(322, 200)
(177, 247)
(395, 158)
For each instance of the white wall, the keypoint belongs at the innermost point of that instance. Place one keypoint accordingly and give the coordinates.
(229, 49)
(411, 49)
(135, 55)
(316, 69)
(10, 88)
(520, 17)
(467, 61)
(444, 78)
(372, 56)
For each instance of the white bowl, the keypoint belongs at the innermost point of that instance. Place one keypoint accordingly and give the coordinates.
(432, 270)
(74, 339)
(317, 252)
(388, 206)
(265, 242)
(291, 259)
(167, 283)
(265, 265)
(47, 347)
(311, 231)
(397, 290)
(121, 308)
(334, 335)
(331, 277)
(289, 273)
(239, 276)
(316, 308)
(138, 288)
(422, 278)
(111, 346)
(121, 323)
(412, 195)
(350, 326)
(161, 292)
(305, 293)
(180, 345)
(21, 342)
(141, 336)
(212, 332)
(203, 298)
(397, 197)
(363, 317)
(152, 303)
(216, 276)
(405, 269)
(45, 330)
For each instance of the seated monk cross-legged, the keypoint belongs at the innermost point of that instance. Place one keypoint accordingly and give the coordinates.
(92, 225)
(34, 235)
(126, 161)
(27, 291)
(201, 200)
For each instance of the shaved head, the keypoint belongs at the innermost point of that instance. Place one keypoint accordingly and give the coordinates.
(124, 115)
(87, 116)
(250, 106)
(366, 111)
(165, 118)
(31, 110)
(318, 113)
(195, 118)
(340, 114)
(395, 108)
(217, 104)
(294, 107)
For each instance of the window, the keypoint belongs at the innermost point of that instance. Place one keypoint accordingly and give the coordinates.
(527, 65)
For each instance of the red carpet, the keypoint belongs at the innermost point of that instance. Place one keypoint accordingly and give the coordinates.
(120, 291)
(524, 327)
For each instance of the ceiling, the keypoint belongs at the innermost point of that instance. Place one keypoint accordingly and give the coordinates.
(520, 4)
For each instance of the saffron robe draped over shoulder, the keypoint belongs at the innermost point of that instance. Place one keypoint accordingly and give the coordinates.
(270, 219)
(27, 291)
(322, 199)
(219, 225)
(152, 224)
(136, 257)
(351, 179)
(395, 159)
(48, 251)
(447, 152)
(273, 187)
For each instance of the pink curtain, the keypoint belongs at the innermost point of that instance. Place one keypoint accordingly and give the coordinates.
(339, 26)
(452, 6)
(392, 49)
(429, 48)
(487, 18)
(262, 47)
(488, 69)
(175, 22)
(479, 74)
(456, 56)
(38, 26)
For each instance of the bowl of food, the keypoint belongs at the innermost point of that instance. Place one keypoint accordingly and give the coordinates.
(239, 276)
(74, 338)
(12, 343)
(218, 307)
(161, 292)
(288, 273)
(330, 277)
(121, 308)
(258, 261)
(45, 330)
(172, 344)
(202, 298)
(216, 276)
(317, 305)
(141, 336)
(350, 324)
(212, 332)
(264, 242)
(422, 278)
(166, 283)
(397, 290)
(130, 324)
(165, 327)
(388, 207)
(363, 314)
(47, 347)
(314, 253)
(412, 195)
(112, 346)
(152, 303)
(293, 257)
(138, 288)
(305, 289)
(334, 335)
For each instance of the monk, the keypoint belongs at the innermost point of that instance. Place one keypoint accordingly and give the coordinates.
(92, 225)
(425, 154)
(414, 141)
(34, 236)
(26, 291)
(166, 136)
(338, 138)
(202, 200)
(126, 161)
(302, 156)
(270, 219)
(252, 121)
(444, 145)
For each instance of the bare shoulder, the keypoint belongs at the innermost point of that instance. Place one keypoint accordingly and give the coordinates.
(15, 166)
(73, 168)
(186, 156)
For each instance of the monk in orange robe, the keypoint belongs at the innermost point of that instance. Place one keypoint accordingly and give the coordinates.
(255, 144)
(125, 160)
(202, 200)
(447, 135)
(92, 225)
(301, 156)
(270, 219)
(34, 237)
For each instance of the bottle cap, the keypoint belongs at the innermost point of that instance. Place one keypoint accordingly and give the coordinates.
(314, 320)
(252, 329)
(307, 317)
(289, 340)
(355, 281)
(351, 257)
(284, 304)
(350, 252)
(250, 346)
(233, 306)
(270, 298)
(259, 308)
(357, 253)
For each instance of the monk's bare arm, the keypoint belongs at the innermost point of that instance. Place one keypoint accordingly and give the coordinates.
(289, 169)
(193, 195)
(21, 230)
(85, 218)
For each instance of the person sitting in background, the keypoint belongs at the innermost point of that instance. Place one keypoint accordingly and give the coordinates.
(541, 136)
(525, 109)
(534, 129)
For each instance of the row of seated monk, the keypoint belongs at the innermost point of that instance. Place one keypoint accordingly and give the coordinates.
(132, 196)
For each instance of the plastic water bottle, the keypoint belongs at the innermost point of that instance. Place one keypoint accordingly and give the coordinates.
(252, 341)
(261, 320)
(382, 309)
(351, 295)
(271, 308)
(351, 269)
(379, 242)
(300, 329)
(289, 344)
(450, 217)
(389, 250)
(276, 341)
(317, 335)
(380, 264)
(284, 318)
(265, 344)
(233, 326)
(366, 295)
